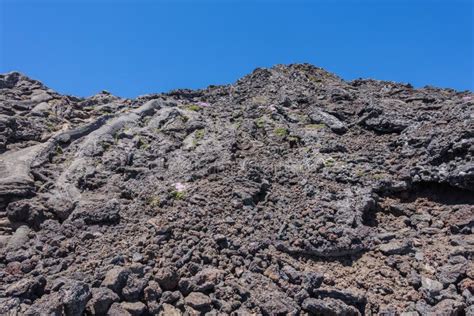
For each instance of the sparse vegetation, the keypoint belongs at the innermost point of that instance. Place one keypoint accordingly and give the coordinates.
(281, 131)
(146, 120)
(154, 202)
(193, 107)
(238, 124)
(294, 141)
(315, 126)
(178, 195)
(142, 143)
(59, 150)
(378, 176)
(105, 145)
(185, 209)
(315, 79)
(360, 173)
(200, 134)
(50, 126)
(260, 122)
(329, 162)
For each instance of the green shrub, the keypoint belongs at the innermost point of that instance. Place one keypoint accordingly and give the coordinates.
(281, 131)
(178, 195)
(143, 144)
(315, 79)
(154, 202)
(360, 173)
(260, 122)
(378, 176)
(199, 134)
(329, 162)
(193, 107)
(146, 120)
(59, 150)
(105, 145)
(50, 126)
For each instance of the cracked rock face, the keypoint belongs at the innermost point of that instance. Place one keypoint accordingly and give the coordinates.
(290, 192)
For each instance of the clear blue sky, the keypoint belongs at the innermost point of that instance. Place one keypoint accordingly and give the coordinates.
(137, 47)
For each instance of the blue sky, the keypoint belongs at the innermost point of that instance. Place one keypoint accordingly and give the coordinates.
(137, 47)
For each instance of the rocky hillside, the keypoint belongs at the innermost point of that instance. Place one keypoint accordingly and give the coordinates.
(290, 192)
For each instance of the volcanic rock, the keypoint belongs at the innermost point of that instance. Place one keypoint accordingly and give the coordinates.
(288, 192)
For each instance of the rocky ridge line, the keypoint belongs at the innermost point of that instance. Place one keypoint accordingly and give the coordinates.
(290, 192)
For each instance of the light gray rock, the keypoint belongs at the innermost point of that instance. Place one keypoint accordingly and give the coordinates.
(318, 117)
(198, 301)
(395, 248)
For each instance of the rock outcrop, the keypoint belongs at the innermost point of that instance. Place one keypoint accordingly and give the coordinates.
(290, 192)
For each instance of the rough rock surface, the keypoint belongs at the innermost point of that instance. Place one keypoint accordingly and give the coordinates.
(290, 192)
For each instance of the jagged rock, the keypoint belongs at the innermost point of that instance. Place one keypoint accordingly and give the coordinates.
(353, 298)
(27, 288)
(318, 117)
(101, 300)
(50, 304)
(469, 310)
(95, 213)
(171, 297)
(26, 211)
(203, 281)
(328, 307)
(395, 248)
(71, 299)
(135, 308)
(431, 288)
(198, 301)
(290, 191)
(449, 274)
(167, 278)
(312, 281)
(18, 239)
(449, 307)
(133, 289)
(118, 310)
(9, 305)
(116, 279)
(386, 125)
(152, 294)
(152, 291)
(276, 306)
(169, 310)
(75, 297)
